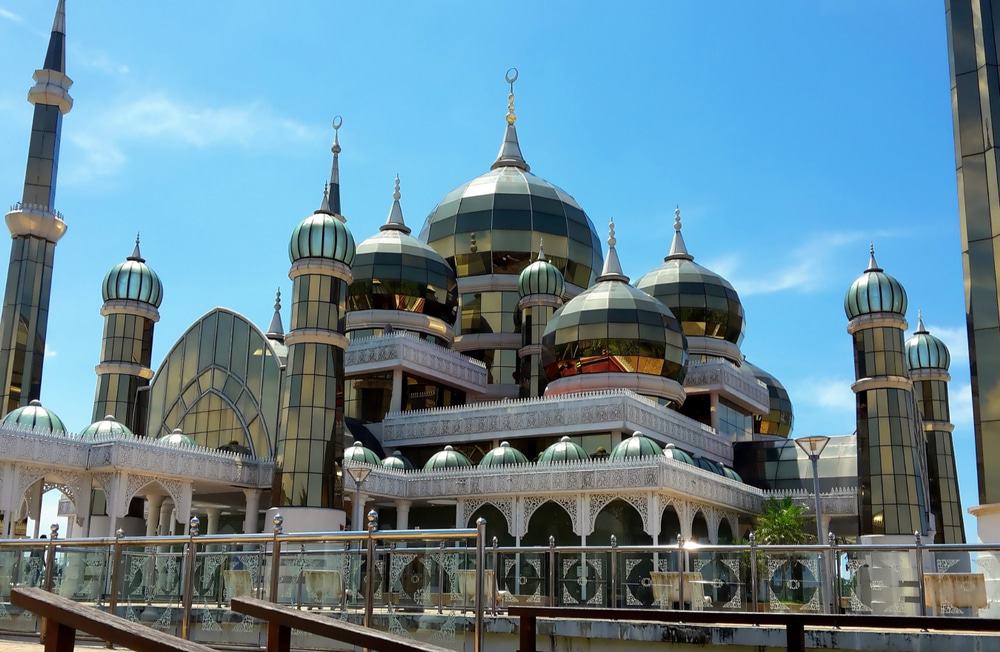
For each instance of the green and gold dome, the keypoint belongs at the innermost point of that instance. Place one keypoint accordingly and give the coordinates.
(675, 453)
(779, 418)
(394, 271)
(503, 455)
(449, 458)
(361, 455)
(638, 445)
(177, 438)
(874, 292)
(564, 450)
(322, 235)
(133, 280)
(925, 351)
(398, 462)
(34, 416)
(106, 427)
(541, 277)
(706, 304)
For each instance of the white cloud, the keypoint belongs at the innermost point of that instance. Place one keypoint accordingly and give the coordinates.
(10, 15)
(97, 60)
(826, 393)
(955, 338)
(156, 118)
(50, 353)
(961, 405)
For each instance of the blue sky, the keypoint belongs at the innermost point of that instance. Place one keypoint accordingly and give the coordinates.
(789, 133)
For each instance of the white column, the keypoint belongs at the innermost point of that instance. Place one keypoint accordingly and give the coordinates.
(111, 502)
(153, 516)
(396, 400)
(460, 514)
(403, 514)
(166, 519)
(714, 402)
(212, 516)
(826, 520)
(36, 499)
(252, 510)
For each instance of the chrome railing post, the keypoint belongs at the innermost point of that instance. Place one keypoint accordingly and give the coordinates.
(614, 573)
(753, 571)
(441, 578)
(188, 590)
(834, 563)
(276, 522)
(919, 553)
(496, 577)
(553, 593)
(116, 562)
(682, 565)
(50, 558)
(370, 574)
(480, 581)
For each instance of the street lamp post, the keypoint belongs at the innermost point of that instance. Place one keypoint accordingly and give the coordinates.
(360, 474)
(813, 448)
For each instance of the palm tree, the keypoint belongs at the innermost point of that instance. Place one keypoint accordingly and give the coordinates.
(782, 523)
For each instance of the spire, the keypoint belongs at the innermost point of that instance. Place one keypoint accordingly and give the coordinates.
(55, 56)
(612, 267)
(541, 250)
(395, 220)
(510, 149)
(872, 265)
(920, 323)
(678, 250)
(136, 254)
(331, 193)
(276, 331)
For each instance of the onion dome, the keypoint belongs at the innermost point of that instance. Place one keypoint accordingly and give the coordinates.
(675, 453)
(638, 445)
(708, 465)
(394, 271)
(35, 417)
(706, 304)
(108, 426)
(541, 277)
(564, 450)
(506, 212)
(322, 235)
(449, 458)
(613, 327)
(133, 280)
(874, 291)
(779, 418)
(503, 455)
(924, 351)
(176, 438)
(398, 462)
(731, 474)
(361, 455)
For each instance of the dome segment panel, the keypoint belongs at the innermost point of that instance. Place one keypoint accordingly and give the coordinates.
(675, 453)
(638, 445)
(449, 458)
(322, 235)
(709, 465)
(176, 438)
(35, 417)
(925, 351)
(133, 280)
(503, 455)
(780, 417)
(731, 474)
(108, 426)
(360, 455)
(564, 450)
(874, 292)
(398, 462)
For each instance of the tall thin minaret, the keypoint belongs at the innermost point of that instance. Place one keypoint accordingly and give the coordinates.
(35, 227)
(541, 286)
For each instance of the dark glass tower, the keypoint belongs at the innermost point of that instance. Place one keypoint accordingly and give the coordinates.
(891, 474)
(975, 101)
(132, 294)
(35, 227)
(310, 442)
(928, 359)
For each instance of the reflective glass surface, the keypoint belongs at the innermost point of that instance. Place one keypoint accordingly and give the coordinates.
(705, 303)
(879, 352)
(394, 271)
(509, 210)
(781, 464)
(613, 327)
(780, 417)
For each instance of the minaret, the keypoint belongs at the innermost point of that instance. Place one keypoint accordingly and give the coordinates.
(132, 295)
(541, 286)
(35, 227)
(928, 360)
(892, 495)
(276, 331)
(308, 490)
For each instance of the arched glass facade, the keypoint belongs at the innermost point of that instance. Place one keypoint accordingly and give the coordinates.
(220, 383)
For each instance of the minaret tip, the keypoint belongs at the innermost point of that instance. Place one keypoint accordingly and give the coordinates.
(612, 266)
(136, 254)
(59, 22)
(541, 249)
(678, 249)
(920, 322)
(510, 149)
(872, 264)
(276, 331)
(395, 220)
(331, 194)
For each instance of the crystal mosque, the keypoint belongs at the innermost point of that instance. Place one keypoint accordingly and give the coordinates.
(495, 363)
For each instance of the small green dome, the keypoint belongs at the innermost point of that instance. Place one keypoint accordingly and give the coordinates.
(35, 417)
(177, 438)
(361, 455)
(133, 280)
(322, 235)
(779, 418)
(398, 462)
(108, 426)
(709, 465)
(873, 292)
(564, 450)
(503, 455)
(541, 277)
(638, 445)
(449, 458)
(924, 351)
(731, 474)
(675, 453)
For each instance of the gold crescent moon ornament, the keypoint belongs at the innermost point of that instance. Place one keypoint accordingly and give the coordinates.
(337, 121)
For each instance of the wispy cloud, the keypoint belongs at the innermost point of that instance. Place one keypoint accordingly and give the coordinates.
(804, 268)
(98, 60)
(157, 119)
(826, 393)
(961, 405)
(956, 338)
(7, 14)
(50, 352)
